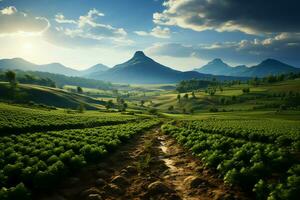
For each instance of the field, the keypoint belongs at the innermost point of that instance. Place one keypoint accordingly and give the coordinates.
(150, 144)
(246, 153)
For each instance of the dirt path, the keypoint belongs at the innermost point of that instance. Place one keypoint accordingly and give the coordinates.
(152, 166)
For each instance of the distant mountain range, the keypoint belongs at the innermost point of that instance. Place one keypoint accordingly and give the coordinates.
(55, 68)
(265, 68)
(142, 69)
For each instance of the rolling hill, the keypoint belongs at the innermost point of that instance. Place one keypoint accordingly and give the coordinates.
(144, 70)
(265, 68)
(47, 96)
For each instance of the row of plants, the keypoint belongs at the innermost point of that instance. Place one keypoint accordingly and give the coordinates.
(284, 134)
(14, 119)
(265, 170)
(38, 161)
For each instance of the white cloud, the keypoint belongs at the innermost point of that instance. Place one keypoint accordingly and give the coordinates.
(87, 30)
(8, 10)
(157, 31)
(60, 18)
(13, 22)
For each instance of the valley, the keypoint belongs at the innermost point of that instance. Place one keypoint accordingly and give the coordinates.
(149, 100)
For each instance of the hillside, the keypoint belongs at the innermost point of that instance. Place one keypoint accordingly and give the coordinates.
(144, 70)
(265, 68)
(59, 80)
(25, 93)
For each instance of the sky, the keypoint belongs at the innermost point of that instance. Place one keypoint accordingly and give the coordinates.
(182, 34)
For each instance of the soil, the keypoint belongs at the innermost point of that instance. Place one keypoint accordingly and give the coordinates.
(151, 166)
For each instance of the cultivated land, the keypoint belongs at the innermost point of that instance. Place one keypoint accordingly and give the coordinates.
(148, 143)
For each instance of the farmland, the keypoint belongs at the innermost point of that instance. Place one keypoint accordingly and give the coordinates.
(257, 158)
(52, 155)
(231, 144)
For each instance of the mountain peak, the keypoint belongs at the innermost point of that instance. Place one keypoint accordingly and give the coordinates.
(139, 54)
(270, 61)
(217, 60)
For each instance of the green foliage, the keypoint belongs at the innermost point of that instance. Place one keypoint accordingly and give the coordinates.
(190, 85)
(40, 160)
(15, 119)
(256, 155)
(25, 77)
(11, 78)
(246, 90)
(79, 89)
(109, 104)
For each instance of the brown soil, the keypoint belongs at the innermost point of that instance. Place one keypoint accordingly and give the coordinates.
(151, 166)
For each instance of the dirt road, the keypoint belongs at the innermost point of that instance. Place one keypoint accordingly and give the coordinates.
(152, 166)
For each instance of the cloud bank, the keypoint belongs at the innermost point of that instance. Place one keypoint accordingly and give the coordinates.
(284, 46)
(252, 17)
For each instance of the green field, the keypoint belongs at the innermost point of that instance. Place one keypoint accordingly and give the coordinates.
(251, 140)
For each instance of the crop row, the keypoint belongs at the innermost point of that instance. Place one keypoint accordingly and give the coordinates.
(21, 120)
(284, 134)
(39, 161)
(266, 170)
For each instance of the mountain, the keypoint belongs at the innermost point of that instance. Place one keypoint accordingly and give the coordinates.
(94, 69)
(144, 70)
(215, 67)
(269, 67)
(21, 64)
(265, 68)
(17, 63)
(56, 68)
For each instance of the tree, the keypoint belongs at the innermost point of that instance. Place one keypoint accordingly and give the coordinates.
(171, 108)
(142, 103)
(221, 89)
(212, 91)
(109, 104)
(246, 90)
(193, 95)
(79, 89)
(11, 78)
(178, 97)
(81, 108)
(186, 96)
(122, 106)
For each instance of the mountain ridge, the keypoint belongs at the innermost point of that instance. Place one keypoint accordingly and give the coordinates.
(56, 68)
(144, 70)
(267, 67)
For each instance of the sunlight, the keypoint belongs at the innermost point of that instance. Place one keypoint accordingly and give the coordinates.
(28, 46)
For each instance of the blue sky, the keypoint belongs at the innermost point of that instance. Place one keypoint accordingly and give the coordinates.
(182, 34)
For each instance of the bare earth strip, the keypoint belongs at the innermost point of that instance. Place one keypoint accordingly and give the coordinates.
(152, 166)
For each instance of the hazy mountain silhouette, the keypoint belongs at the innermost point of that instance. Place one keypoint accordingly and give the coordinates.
(215, 67)
(56, 68)
(142, 69)
(21, 64)
(265, 68)
(268, 67)
(94, 69)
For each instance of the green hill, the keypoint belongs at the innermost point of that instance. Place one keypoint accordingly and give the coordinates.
(25, 93)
